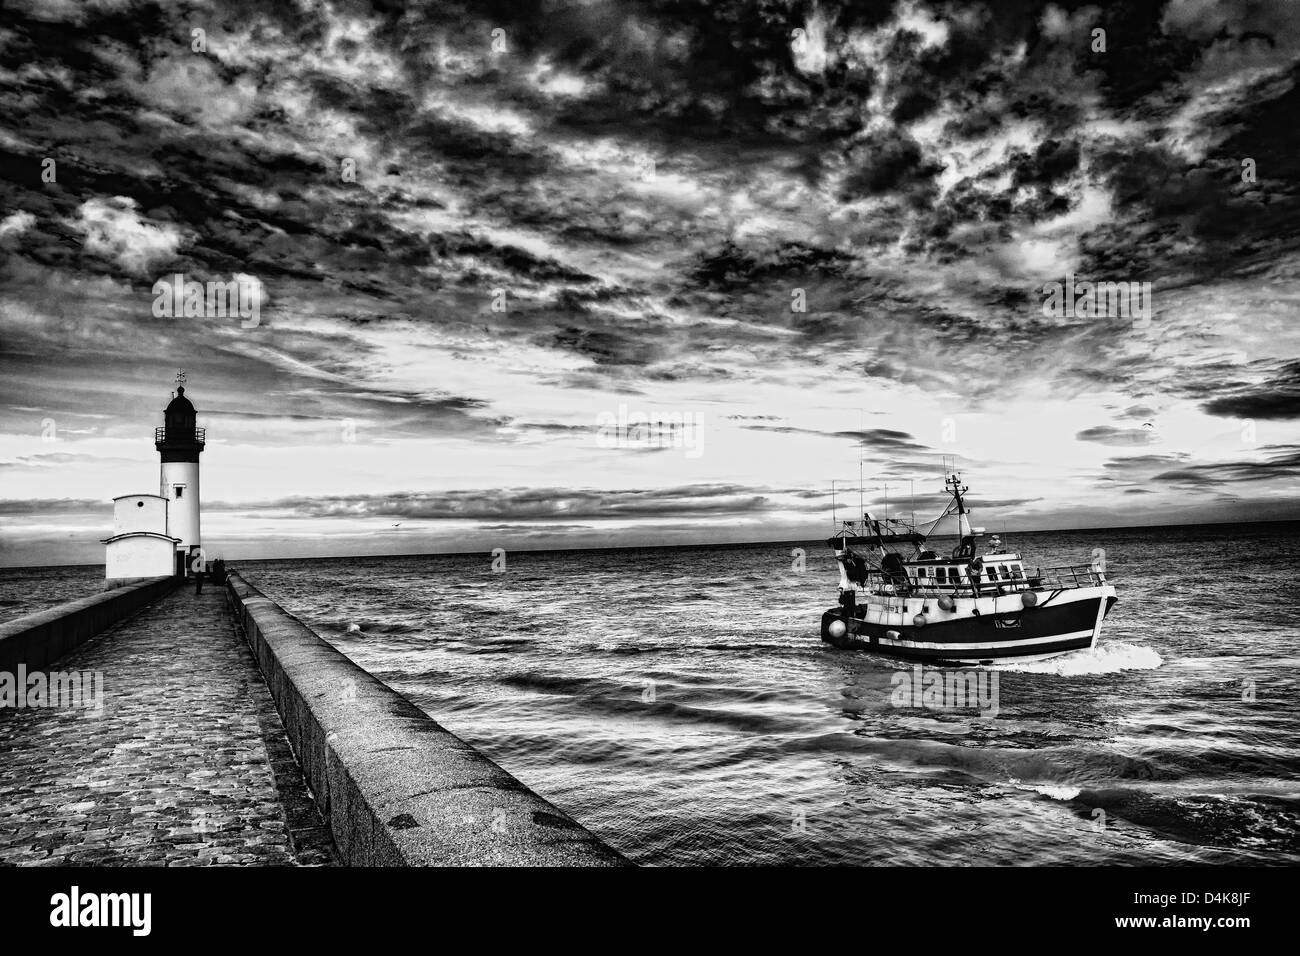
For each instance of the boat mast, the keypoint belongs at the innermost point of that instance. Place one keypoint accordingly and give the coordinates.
(957, 489)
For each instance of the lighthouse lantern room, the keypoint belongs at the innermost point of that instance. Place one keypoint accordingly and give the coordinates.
(155, 535)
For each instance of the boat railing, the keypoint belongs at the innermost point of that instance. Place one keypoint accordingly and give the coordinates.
(1070, 576)
(1061, 578)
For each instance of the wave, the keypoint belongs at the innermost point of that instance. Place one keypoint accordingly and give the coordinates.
(1056, 791)
(547, 684)
(1103, 659)
(1252, 821)
(364, 627)
(1148, 727)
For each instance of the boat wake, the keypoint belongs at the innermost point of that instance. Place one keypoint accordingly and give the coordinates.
(1104, 659)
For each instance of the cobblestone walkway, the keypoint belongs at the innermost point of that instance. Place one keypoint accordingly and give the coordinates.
(187, 765)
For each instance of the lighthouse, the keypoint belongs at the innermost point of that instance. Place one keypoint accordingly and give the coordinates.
(180, 442)
(158, 535)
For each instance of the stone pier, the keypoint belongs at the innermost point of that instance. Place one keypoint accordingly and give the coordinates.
(224, 731)
(186, 763)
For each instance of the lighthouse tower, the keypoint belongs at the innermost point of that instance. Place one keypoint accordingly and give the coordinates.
(180, 442)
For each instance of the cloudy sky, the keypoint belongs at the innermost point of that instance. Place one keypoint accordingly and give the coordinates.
(477, 230)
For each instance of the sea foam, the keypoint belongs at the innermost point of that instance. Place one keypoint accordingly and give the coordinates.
(1103, 659)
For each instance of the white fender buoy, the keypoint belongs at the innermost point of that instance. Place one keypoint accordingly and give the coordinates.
(837, 628)
(1028, 598)
(892, 635)
(920, 620)
(946, 603)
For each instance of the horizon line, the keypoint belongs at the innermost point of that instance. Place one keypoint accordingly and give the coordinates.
(700, 544)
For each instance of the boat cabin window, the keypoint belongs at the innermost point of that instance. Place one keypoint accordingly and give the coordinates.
(991, 572)
(1017, 571)
(941, 575)
(1005, 571)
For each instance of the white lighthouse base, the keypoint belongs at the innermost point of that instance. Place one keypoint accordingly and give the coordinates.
(139, 554)
(140, 545)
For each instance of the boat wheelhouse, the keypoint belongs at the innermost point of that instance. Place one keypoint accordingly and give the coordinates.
(965, 607)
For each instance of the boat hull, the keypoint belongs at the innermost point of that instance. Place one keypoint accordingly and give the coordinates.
(985, 638)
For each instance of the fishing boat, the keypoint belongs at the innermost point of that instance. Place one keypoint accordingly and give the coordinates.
(974, 605)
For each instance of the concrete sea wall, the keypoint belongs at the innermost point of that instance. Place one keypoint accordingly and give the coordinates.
(38, 640)
(395, 788)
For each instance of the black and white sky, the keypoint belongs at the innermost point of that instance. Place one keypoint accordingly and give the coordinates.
(649, 188)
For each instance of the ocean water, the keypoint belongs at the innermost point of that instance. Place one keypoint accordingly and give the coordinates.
(680, 703)
(28, 590)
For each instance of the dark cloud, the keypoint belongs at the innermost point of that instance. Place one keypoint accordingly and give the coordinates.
(1276, 399)
(527, 504)
(54, 506)
(1109, 435)
(880, 439)
(884, 163)
(1140, 413)
(648, 181)
(1279, 462)
(1138, 462)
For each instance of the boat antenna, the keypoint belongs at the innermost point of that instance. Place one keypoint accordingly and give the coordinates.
(862, 429)
(861, 504)
(833, 525)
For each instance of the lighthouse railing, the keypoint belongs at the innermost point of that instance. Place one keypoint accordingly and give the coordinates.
(160, 434)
